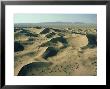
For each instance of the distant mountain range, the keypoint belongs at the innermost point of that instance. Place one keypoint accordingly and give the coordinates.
(53, 24)
(62, 23)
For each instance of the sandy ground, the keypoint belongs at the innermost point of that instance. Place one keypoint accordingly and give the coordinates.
(54, 52)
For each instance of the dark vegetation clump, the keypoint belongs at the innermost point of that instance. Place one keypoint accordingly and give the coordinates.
(27, 42)
(16, 29)
(31, 34)
(50, 35)
(50, 51)
(60, 39)
(38, 27)
(18, 47)
(31, 39)
(46, 30)
(27, 33)
(57, 30)
(24, 31)
(92, 40)
(61, 34)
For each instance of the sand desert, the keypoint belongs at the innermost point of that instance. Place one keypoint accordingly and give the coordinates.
(56, 49)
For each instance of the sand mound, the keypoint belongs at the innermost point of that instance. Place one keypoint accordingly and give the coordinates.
(77, 40)
(36, 30)
(20, 37)
(27, 69)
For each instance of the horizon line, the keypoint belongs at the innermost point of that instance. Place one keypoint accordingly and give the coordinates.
(55, 22)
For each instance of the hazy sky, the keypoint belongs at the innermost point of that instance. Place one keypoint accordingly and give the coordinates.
(37, 18)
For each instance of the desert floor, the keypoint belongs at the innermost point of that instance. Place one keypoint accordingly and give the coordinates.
(44, 51)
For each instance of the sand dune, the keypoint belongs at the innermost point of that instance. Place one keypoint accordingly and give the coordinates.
(44, 51)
